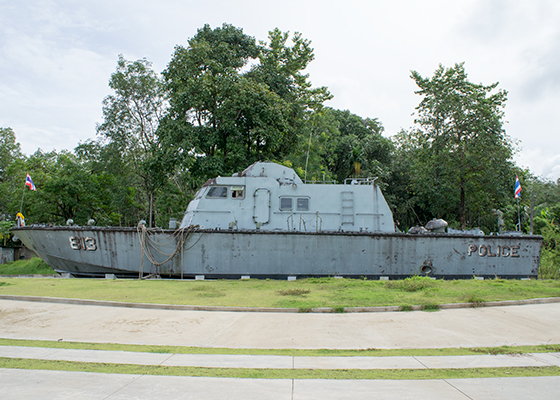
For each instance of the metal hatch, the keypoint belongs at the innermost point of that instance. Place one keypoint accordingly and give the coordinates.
(261, 207)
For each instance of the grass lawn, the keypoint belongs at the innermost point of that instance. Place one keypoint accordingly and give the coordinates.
(447, 351)
(271, 373)
(304, 294)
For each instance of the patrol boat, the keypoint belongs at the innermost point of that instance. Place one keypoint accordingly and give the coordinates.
(265, 222)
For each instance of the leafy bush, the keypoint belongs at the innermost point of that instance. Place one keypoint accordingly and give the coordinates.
(32, 266)
(475, 300)
(550, 256)
(412, 284)
(429, 307)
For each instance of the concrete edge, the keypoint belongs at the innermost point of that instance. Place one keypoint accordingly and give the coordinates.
(275, 310)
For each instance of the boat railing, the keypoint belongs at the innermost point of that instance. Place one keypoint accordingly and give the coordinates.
(303, 222)
(360, 181)
(323, 182)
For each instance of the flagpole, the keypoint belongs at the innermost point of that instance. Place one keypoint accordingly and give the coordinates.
(517, 194)
(22, 196)
(518, 216)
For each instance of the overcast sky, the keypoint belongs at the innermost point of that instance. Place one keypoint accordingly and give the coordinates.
(56, 58)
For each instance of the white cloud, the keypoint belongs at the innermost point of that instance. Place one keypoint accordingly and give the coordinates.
(548, 162)
(56, 57)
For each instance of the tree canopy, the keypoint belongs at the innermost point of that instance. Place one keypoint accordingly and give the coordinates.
(458, 154)
(233, 101)
(131, 118)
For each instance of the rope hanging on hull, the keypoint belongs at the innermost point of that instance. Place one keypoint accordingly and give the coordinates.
(149, 244)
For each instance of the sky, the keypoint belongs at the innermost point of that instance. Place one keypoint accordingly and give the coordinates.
(56, 58)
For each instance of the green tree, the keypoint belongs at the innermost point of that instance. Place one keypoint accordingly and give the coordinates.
(359, 150)
(281, 67)
(9, 151)
(233, 102)
(202, 79)
(60, 191)
(337, 144)
(12, 174)
(462, 158)
(127, 203)
(68, 188)
(131, 118)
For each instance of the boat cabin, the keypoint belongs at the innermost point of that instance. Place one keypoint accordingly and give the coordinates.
(271, 197)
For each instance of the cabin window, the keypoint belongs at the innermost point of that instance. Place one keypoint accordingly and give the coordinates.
(237, 192)
(285, 203)
(217, 192)
(303, 204)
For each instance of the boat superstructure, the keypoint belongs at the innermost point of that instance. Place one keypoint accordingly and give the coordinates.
(271, 197)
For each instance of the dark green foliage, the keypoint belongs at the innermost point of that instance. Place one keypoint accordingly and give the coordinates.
(456, 163)
(429, 307)
(336, 145)
(12, 174)
(226, 114)
(9, 152)
(550, 256)
(5, 234)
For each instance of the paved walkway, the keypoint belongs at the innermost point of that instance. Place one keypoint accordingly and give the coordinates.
(492, 326)
(282, 362)
(31, 384)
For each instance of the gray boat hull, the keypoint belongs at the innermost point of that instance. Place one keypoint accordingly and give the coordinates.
(258, 254)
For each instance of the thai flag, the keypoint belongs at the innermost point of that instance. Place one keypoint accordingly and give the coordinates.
(517, 187)
(29, 182)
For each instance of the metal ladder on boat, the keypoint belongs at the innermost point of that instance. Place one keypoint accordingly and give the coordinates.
(347, 198)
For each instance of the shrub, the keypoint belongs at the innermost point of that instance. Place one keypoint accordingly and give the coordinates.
(429, 307)
(412, 284)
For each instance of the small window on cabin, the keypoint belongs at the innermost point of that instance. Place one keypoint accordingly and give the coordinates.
(285, 203)
(303, 204)
(237, 192)
(217, 192)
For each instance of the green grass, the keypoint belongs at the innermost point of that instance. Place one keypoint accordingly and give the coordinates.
(303, 295)
(32, 266)
(413, 284)
(461, 351)
(279, 373)
(253, 373)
